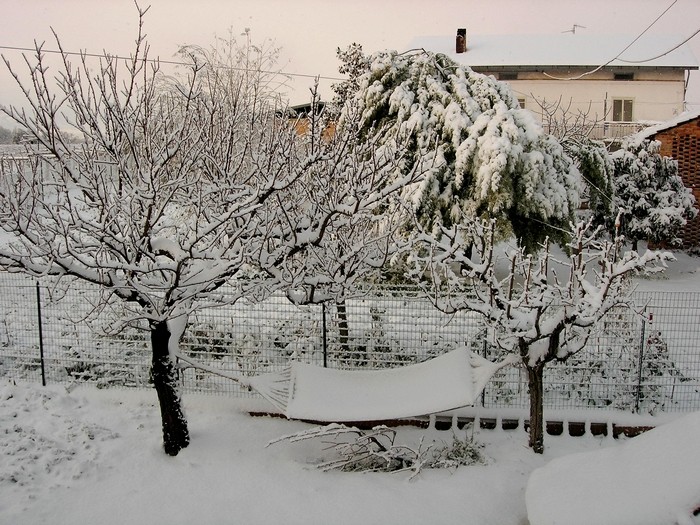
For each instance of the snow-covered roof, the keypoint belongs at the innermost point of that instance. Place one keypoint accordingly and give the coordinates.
(566, 49)
(684, 117)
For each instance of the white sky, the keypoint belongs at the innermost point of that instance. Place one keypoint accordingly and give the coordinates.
(309, 31)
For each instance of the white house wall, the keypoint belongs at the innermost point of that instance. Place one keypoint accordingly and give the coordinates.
(652, 100)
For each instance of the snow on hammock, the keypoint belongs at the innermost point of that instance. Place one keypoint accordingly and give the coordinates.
(310, 392)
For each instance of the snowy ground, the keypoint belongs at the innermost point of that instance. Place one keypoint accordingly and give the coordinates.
(94, 456)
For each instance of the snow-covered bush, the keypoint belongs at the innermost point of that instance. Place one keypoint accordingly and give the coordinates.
(376, 450)
(461, 452)
(653, 202)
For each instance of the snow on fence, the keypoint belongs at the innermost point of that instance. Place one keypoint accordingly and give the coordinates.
(632, 363)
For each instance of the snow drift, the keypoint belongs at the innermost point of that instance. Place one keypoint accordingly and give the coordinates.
(652, 479)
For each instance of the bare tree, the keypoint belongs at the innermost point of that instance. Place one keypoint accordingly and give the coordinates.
(180, 184)
(354, 189)
(543, 307)
(566, 125)
(163, 201)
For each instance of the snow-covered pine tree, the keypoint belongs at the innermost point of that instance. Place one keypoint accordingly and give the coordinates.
(596, 167)
(353, 63)
(487, 156)
(653, 202)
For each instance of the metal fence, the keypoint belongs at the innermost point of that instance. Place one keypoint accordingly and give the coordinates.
(635, 363)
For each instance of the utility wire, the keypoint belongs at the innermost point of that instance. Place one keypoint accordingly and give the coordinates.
(620, 53)
(161, 61)
(662, 54)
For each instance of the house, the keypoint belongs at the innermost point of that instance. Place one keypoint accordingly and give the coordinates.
(618, 83)
(680, 139)
(299, 116)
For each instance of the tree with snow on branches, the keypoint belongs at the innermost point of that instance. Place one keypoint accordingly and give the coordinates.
(181, 184)
(488, 157)
(652, 200)
(543, 306)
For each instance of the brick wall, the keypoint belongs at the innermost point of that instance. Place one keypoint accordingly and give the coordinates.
(682, 143)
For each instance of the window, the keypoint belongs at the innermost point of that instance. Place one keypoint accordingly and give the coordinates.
(622, 110)
(521, 101)
(508, 76)
(624, 76)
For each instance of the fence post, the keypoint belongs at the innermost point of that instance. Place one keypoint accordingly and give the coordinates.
(485, 350)
(324, 335)
(41, 334)
(640, 364)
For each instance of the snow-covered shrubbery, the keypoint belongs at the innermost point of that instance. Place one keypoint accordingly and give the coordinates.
(376, 450)
(653, 202)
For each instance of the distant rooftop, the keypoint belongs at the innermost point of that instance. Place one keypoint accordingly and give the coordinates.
(561, 50)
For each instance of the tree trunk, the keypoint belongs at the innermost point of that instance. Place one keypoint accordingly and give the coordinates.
(175, 433)
(535, 381)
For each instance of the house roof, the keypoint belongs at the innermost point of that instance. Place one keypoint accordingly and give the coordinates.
(561, 50)
(684, 117)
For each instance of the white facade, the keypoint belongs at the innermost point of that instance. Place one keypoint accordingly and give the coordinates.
(618, 83)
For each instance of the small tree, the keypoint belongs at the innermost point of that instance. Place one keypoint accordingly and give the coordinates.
(542, 307)
(361, 174)
(653, 202)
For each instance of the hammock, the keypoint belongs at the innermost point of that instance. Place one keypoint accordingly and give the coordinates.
(309, 392)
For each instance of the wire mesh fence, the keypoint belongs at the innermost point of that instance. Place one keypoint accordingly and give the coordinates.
(638, 363)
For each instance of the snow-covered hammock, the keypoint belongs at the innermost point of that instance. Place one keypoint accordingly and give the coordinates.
(310, 392)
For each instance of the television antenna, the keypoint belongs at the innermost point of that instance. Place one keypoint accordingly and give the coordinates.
(573, 29)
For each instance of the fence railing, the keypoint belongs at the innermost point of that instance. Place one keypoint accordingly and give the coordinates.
(607, 130)
(635, 363)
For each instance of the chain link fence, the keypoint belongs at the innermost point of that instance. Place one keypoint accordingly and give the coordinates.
(637, 363)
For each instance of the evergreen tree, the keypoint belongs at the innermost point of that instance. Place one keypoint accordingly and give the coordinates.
(488, 157)
(653, 203)
(354, 64)
(596, 168)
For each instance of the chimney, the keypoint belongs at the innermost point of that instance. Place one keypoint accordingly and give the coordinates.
(461, 44)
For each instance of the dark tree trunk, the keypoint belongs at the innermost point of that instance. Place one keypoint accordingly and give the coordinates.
(175, 433)
(535, 381)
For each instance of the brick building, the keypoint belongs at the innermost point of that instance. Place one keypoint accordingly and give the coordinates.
(680, 139)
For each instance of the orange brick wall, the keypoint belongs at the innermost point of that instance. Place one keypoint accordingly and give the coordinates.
(682, 143)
